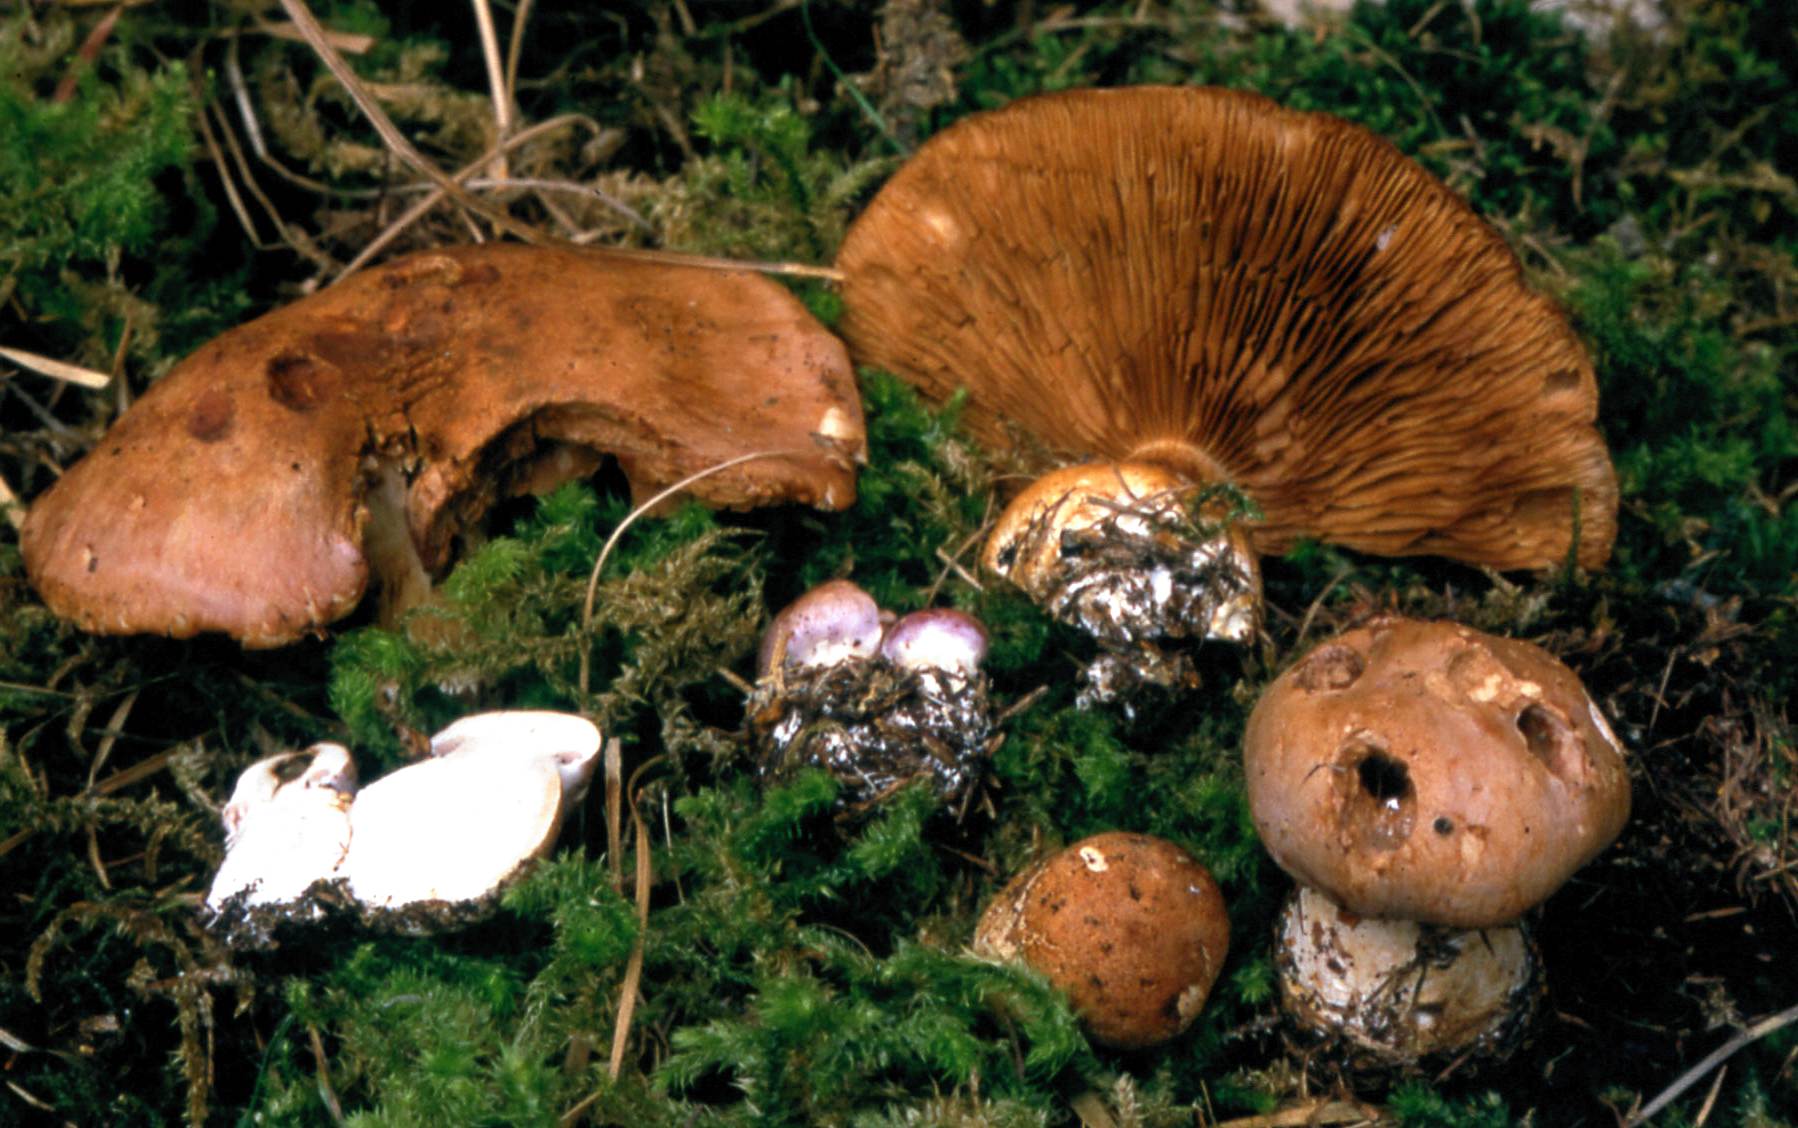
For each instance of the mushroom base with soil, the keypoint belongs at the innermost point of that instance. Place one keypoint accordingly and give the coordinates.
(1394, 996)
(874, 700)
(876, 726)
(1131, 553)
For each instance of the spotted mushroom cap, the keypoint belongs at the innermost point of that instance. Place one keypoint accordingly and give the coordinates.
(1427, 771)
(245, 491)
(1277, 299)
(1131, 927)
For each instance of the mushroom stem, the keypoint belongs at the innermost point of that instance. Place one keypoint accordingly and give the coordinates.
(1129, 552)
(1391, 994)
(387, 544)
(1184, 457)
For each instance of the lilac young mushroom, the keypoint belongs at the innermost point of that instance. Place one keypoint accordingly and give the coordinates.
(941, 640)
(875, 702)
(831, 623)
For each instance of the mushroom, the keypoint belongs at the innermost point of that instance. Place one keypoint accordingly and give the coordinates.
(1130, 927)
(1190, 287)
(255, 488)
(938, 642)
(875, 701)
(286, 828)
(435, 842)
(1424, 773)
(830, 623)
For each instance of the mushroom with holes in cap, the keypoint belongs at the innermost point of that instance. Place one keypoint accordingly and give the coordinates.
(1201, 284)
(1132, 928)
(874, 700)
(1424, 773)
(254, 489)
(434, 843)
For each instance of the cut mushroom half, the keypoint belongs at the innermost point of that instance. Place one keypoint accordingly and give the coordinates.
(287, 827)
(352, 437)
(1199, 284)
(439, 839)
(429, 846)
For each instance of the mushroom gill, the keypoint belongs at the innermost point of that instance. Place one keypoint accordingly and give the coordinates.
(1202, 280)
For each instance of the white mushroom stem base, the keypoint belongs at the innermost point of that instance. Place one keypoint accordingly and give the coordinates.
(1129, 551)
(1387, 995)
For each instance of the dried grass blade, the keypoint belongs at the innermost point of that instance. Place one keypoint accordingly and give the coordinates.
(349, 42)
(498, 92)
(437, 194)
(11, 505)
(56, 369)
(633, 970)
(391, 136)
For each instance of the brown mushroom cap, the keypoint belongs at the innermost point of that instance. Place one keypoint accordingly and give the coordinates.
(246, 491)
(1273, 298)
(1131, 927)
(1426, 771)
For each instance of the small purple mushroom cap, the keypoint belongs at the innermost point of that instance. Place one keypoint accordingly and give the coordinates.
(939, 638)
(832, 622)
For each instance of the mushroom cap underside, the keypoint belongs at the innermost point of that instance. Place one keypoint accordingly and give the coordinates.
(1426, 771)
(233, 496)
(1278, 297)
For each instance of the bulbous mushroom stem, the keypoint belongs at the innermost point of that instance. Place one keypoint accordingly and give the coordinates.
(1129, 552)
(1388, 995)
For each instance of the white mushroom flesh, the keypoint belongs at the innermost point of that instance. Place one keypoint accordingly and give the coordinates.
(453, 828)
(284, 835)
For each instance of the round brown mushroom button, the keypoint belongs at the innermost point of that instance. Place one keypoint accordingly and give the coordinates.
(1427, 771)
(1131, 927)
